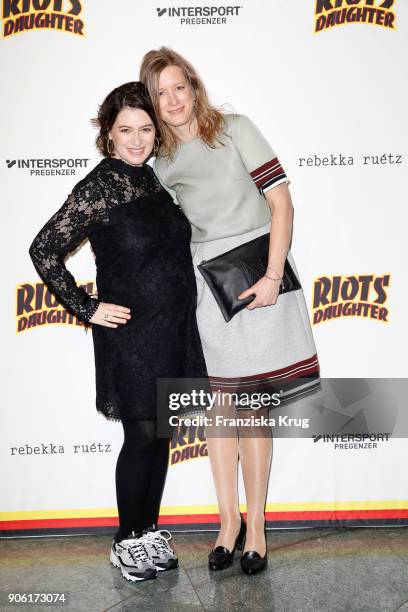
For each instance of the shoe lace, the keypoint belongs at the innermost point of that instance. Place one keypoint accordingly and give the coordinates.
(137, 551)
(159, 540)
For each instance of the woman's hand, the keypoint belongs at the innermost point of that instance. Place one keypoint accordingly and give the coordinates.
(266, 292)
(110, 315)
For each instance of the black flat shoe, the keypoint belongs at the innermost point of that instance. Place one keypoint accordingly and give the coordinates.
(220, 557)
(252, 562)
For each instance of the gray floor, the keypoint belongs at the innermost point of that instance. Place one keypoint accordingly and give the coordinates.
(314, 569)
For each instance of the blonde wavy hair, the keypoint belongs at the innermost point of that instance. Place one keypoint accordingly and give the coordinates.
(210, 121)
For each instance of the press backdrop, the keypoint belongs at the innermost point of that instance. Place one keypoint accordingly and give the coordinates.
(327, 86)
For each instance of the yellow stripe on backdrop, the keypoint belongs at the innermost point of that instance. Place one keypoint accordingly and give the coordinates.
(210, 509)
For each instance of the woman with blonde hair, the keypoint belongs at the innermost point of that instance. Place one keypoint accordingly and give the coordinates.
(232, 188)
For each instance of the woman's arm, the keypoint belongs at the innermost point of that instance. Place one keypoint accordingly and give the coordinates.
(280, 203)
(266, 290)
(64, 232)
(270, 178)
(84, 210)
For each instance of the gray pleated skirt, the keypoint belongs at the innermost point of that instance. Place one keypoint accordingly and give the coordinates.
(258, 349)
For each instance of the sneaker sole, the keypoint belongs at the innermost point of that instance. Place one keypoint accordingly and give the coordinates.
(148, 575)
(171, 564)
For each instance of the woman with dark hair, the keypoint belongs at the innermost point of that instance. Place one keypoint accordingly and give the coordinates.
(143, 322)
(233, 189)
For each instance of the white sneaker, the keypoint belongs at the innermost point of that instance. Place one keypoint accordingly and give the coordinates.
(159, 551)
(131, 556)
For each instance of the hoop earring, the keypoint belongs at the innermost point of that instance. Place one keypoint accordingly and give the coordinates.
(109, 145)
(156, 146)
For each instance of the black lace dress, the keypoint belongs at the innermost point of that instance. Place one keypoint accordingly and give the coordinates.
(141, 241)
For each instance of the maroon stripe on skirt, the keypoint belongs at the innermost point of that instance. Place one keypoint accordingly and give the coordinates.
(310, 362)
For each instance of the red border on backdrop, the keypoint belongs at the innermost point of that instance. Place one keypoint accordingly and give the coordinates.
(205, 519)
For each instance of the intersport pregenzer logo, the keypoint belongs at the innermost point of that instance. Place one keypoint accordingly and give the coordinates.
(44, 166)
(36, 306)
(363, 295)
(25, 15)
(353, 441)
(200, 15)
(331, 13)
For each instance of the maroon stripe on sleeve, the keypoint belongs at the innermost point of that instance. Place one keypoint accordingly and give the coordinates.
(267, 172)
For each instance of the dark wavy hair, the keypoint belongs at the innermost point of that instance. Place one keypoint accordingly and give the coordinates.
(128, 95)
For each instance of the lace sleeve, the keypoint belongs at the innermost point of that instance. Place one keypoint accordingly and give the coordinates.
(84, 209)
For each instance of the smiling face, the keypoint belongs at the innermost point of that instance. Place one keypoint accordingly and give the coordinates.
(133, 135)
(176, 99)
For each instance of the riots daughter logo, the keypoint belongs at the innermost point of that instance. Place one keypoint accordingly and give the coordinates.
(350, 296)
(37, 307)
(331, 13)
(188, 443)
(24, 15)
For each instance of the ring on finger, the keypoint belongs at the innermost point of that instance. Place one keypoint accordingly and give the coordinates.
(106, 316)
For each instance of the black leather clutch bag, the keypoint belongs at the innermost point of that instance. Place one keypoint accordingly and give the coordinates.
(231, 273)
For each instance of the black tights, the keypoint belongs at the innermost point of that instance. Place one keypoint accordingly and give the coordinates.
(140, 476)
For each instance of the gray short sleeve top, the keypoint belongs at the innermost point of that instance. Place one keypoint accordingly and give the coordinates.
(221, 189)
